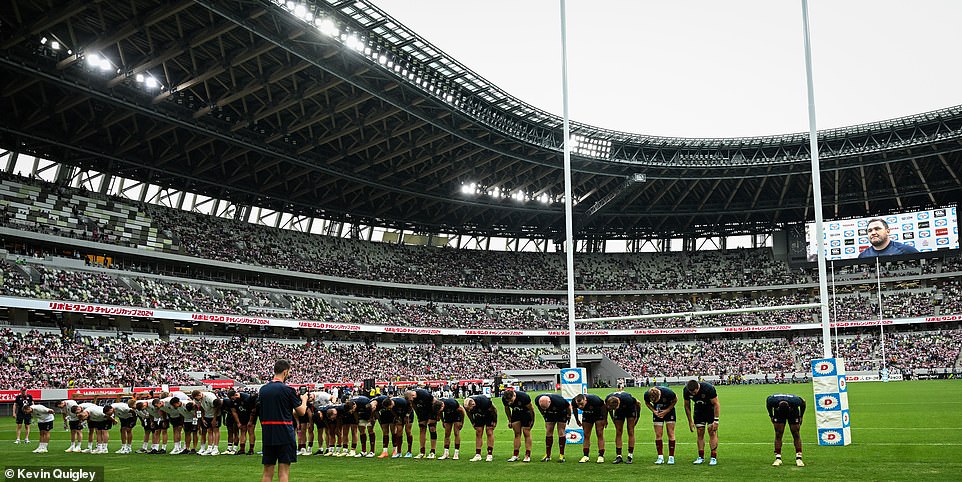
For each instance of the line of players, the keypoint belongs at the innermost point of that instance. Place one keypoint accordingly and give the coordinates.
(194, 418)
(340, 426)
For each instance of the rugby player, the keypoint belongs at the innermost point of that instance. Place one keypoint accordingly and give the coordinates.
(141, 408)
(210, 404)
(403, 414)
(423, 401)
(661, 401)
(193, 424)
(520, 413)
(385, 418)
(786, 408)
(451, 414)
(246, 409)
(594, 417)
(128, 419)
(99, 420)
(22, 401)
(229, 414)
(484, 418)
(73, 423)
(364, 415)
(706, 417)
(556, 412)
(159, 425)
(304, 425)
(172, 408)
(337, 418)
(624, 410)
(45, 419)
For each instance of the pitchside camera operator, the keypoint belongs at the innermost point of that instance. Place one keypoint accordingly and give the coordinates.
(278, 402)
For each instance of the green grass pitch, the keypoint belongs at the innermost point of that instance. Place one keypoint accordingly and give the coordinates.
(901, 431)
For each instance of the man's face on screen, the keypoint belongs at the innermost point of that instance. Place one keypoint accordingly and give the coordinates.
(878, 235)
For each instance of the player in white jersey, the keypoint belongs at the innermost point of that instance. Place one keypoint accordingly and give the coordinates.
(172, 408)
(44, 424)
(193, 417)
(124, 413)
(99, 420)
(142, 410)
(210, 437)
(70, 420)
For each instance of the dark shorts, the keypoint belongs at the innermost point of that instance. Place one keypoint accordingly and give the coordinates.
(304, 419)
(95, 425)
(424, 414)
(487, 419)
(45, 426)
(704, 414)
(791, 420)
(318, 420)
(230, 422)
(191, 427)
(452, 417)
(594, 416)
(23, 418)
(176, 421)
(279, 454)
(211, 422)
(75, 424)
(162, 425)
(386, 417)
(523, 416)
(555, 417)
(106, 424)
(244, 419)
(128, 422)
(625, 413)
(669, 417)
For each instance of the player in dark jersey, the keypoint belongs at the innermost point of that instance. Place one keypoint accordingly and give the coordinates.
(247, 410)
(422, 401)
(365, 425)
(305, 428)
(520, 412)
(339, 418)
(451, 414)
(484, 418)
(385, 418)
(230, 421)
(556, 412)
(706, 417)
(661, 401)
(593, 417)
(22, 401)
(786, 408)
(624, 410)
(403, 414)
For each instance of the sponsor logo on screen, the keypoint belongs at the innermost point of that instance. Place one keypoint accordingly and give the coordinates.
(923, 224)
(942, 241)
(922, 215)
(940, 213)
(849, 233)
(942, 232)
(850, 250)
(906, 227)
(941, 222)
(836, 251)
(908, 236)
(925, 233)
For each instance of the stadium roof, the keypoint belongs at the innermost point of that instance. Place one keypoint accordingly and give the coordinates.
(334, 109)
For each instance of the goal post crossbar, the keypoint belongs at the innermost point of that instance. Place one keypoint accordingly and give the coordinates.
(685, 314)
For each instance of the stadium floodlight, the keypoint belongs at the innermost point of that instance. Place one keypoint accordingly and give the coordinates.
(382, 60)
(43, 41)
(93, 60)
(151, 83)
(328, 27)
(519, 196)
(545, 199)
(139, 78)
(54, 45)
(466, 189)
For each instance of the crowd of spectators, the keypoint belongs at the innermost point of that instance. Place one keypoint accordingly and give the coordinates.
(54, 360)
(134, 290)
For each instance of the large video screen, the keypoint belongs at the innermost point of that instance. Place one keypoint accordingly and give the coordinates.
(926, 231)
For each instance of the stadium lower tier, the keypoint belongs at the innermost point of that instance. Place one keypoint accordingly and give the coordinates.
(31, 358)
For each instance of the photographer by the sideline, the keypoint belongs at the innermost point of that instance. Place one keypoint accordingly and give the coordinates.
(278, 404)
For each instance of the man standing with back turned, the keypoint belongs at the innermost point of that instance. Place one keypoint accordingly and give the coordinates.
(278, 402)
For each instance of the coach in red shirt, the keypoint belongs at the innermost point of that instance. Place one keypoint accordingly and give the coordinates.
(278, 402)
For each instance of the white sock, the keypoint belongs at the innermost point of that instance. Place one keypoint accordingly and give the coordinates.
(156, 446)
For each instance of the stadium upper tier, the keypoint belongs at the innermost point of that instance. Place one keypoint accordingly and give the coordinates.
(336, 110)
(45, 359)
